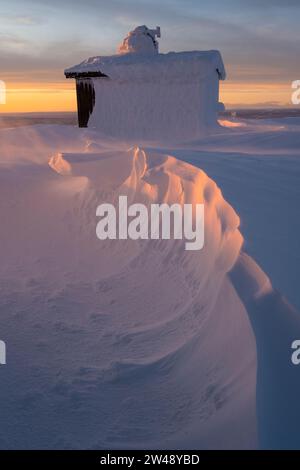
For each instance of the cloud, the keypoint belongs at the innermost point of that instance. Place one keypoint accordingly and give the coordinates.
(11, 42)
(271, 3)
(251, 49)
(21, 20)
(26, 20)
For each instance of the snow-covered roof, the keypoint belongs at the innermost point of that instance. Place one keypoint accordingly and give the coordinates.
(132, 66)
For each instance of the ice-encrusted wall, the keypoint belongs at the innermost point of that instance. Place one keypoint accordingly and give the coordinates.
(155, 110)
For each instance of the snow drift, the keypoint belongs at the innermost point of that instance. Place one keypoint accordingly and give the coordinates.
(118, 343)
(131, 344)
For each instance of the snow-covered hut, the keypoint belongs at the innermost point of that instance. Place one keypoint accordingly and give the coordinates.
(141, 93)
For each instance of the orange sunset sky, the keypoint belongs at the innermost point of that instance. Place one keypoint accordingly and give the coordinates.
(61, 96)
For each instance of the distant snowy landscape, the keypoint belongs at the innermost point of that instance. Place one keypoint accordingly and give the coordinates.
(141, 344)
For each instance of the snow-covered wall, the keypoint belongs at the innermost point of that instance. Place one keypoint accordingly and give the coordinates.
(158, 110)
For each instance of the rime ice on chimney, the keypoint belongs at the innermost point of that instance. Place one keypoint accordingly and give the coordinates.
(141, 41)
(143, 94)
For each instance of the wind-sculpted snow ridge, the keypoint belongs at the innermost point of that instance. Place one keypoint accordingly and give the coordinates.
(117, 343)
(154, 178)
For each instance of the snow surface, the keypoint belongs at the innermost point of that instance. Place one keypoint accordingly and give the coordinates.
(141, 344)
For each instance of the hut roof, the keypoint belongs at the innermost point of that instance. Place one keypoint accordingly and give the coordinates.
(173, 65)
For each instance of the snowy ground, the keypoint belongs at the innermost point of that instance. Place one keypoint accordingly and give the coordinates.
(142, 344)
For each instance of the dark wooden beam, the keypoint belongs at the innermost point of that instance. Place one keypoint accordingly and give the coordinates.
(85, 100)
(85, 74)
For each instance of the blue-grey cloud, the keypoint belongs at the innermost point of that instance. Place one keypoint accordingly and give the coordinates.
(258, 38)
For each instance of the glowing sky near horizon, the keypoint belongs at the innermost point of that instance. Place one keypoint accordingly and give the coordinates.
(259, 41)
